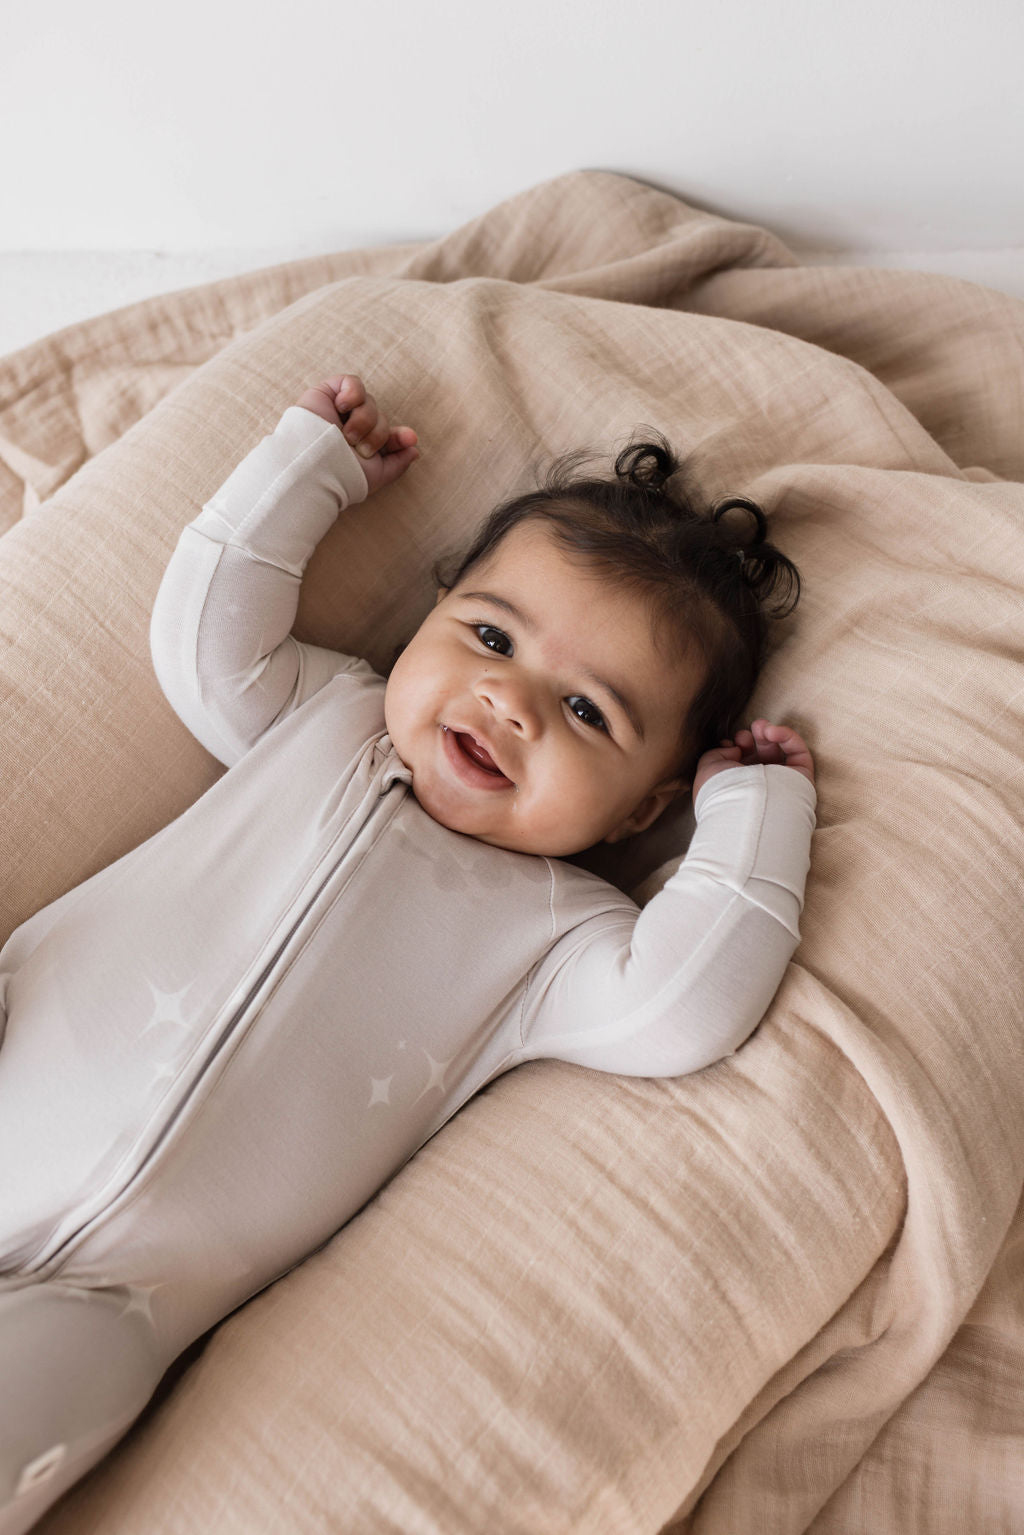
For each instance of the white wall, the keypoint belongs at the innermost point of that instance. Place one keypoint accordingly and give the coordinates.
(218, 125)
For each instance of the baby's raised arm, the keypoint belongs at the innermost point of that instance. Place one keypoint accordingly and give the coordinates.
(685, 982)
(220, 633)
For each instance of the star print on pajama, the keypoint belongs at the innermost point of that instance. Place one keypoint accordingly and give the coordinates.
(380, 1087)
(167, 1009)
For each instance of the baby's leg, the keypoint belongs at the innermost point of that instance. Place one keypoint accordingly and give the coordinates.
(77, 1368)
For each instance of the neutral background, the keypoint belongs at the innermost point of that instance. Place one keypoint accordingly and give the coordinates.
(149, 148)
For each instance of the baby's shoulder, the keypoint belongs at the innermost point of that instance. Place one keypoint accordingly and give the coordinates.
(579, 893)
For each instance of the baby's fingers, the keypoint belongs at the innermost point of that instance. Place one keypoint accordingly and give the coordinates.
(780, 743)
(386, 467)
(366, 428)
(349, 391)
(745, 746)
(401, 437)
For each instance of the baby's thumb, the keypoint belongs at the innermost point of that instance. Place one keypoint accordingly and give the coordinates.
(385, 468)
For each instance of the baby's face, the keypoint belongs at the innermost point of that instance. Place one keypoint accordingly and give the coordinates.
(534, 707)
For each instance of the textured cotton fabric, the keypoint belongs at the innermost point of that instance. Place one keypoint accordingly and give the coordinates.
(784, 1294)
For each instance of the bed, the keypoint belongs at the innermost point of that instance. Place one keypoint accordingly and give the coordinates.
(785, 1294)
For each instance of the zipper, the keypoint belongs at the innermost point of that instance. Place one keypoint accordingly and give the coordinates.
(53, 1253)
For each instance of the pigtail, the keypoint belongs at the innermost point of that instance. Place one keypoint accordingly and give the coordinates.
(772, 578)
(647, 466)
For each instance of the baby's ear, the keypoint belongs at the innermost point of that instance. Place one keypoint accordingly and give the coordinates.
(649, 809)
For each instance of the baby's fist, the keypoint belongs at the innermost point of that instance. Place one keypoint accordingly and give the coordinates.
(763, 742)
(385, 453)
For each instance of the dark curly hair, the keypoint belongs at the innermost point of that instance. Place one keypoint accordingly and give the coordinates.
(712, 578)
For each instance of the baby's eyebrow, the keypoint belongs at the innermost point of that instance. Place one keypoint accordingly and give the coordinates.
(530, 625)
(620, 698)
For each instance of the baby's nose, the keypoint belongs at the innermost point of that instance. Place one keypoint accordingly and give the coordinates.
(511, 699)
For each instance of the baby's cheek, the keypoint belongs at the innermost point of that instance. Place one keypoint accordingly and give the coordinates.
(397, 695)
(574, 813)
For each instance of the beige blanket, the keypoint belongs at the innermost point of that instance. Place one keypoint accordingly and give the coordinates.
(786, 1294)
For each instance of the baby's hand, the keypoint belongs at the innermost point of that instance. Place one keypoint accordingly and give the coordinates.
(763, 742)
(344, 402)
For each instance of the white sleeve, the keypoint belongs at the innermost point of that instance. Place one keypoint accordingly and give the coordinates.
(670, 989)
(220, 631)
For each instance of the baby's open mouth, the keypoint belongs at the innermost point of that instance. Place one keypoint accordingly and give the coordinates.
(477, 753)
(471, 760)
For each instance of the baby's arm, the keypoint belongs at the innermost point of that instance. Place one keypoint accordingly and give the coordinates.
(685, 982)
(221, 628)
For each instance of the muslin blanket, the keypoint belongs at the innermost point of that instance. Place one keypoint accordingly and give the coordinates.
(786, 1294)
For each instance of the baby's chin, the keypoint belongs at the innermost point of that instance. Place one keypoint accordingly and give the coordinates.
(529, 840)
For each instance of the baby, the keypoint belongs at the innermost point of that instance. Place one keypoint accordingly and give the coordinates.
(220, 1047)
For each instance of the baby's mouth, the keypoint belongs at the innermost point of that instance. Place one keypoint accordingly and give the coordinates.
(477, 753)
(472, 761)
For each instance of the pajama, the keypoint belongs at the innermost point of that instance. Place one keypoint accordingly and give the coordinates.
(216, 1050)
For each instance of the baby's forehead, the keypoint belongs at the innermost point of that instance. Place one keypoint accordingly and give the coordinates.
(546, 586)
(576, 586)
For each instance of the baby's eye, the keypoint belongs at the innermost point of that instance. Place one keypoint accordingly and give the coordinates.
(494, 639)
(587, 712)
